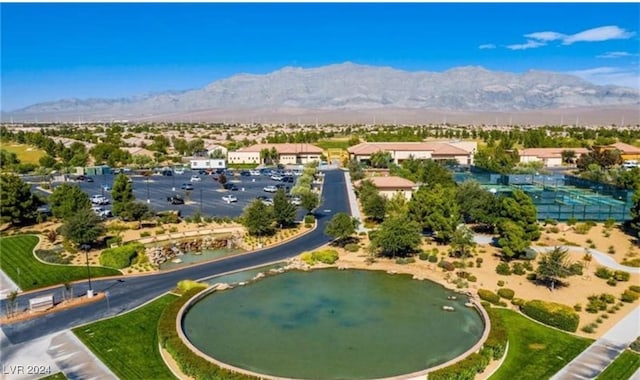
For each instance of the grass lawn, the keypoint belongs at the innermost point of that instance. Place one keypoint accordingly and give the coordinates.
(242, 166)
(128, 344)
(25, 153)
(622, 368)
(535, 352)
(16, 254)
(333, 144)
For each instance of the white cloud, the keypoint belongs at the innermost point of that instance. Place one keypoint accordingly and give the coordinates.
(615, 54)
(603, 33)
(618, 76)
(531, 44)
(487, 46)
(545, 36)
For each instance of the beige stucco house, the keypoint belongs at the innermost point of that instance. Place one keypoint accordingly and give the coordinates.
(460, 151)
(388, 186)
(288, 154)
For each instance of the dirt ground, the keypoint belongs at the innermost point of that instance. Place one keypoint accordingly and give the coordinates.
(576, 291)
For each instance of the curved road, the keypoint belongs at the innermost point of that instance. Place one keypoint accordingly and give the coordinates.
(127, 293)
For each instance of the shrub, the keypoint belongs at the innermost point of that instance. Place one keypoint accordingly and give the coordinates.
(629, 296)
(145, 234)
(433, 259)
(554, 229)
(603, 273)
(446, 266)
(352, 247)
(621, 275)
(582, 228)
(458, 264)
(506, 293)
(186, 285)
(52, 256)
(503, 269)
(488, 295)
(518, 269)
(424, 256)
(327, 256)
(500, 283)
(609, 223)
(309, 219)
(463, 370)
(612, 282)
(532, 276)
(518, 301)
(552, 314)
(635, 345)
(472, 278)
(635, 288)
(589, 329)
(611, 250)
(577, 307)
(596, 304)
(576, 269)
(69, 247)
(571, 221)
(121, 257)
(405, 260)
(608, 298)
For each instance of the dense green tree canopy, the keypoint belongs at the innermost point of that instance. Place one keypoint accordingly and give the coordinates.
(258, 218)
(380, 159)
(476, 204)
(17, 204)
(375, 207)
(136, 211)
(341, 226)
(309, 200)
(520, 209)
(83, 227)
(462, 240)
(435, 208)
(512, 238)
(397, 237)
(553, 266)
(122, 193)
(284, 212)
(67, 200)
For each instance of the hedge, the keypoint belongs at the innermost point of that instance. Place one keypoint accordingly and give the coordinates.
(488, 295)
(120, 257)
(189, 362)
(552, 314)
(506, 293)
(327, 256)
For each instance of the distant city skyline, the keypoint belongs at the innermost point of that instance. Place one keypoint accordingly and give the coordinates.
(57, 51)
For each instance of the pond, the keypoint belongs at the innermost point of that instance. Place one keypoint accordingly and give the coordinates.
(333, 324)
(190, 258)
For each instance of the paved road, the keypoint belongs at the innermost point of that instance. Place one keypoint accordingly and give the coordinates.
(600, 257)
(130, 292)
(592, 361)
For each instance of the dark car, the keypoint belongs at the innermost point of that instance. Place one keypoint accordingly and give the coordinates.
(245, 173)
(231, 186)
(81, 178)
(175, 200)
(88, 179)
(186, 186)
(287, 179)
(167, 173)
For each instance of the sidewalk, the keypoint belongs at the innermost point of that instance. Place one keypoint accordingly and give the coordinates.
(353, 202)
(592, 361)
(59, 352)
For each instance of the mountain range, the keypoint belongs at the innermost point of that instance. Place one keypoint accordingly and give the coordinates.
(349, 88)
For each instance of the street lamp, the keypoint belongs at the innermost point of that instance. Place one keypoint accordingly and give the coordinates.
(148, 197)
(85, 248)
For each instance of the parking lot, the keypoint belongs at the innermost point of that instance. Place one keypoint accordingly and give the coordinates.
(205, 197)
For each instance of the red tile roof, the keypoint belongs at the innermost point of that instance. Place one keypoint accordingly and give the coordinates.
(392, 182)
(284, 148)
(437, 148)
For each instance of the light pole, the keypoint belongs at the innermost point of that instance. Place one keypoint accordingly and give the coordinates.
(85, 248)
(201, 201)
(148, 197)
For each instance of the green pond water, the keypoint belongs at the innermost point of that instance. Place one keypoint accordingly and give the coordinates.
(190, 258)
(331, 324)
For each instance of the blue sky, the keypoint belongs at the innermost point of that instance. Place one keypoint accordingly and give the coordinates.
(54, 51)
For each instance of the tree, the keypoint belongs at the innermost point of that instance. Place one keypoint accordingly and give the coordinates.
(435, 208)
(553, 266)
(380, 159)
(520, 209)
(635, 211)
(512, 238)
(568, 156)
(341, 226)
(218, 153)
(67, 200)
(397, 205)
(47, 161)
(461, 239)
(258, 218)
(284, 212)
(309, 200)
(397, 237)
(222, 179)
(17, 204)
(137, 211)
(122, 194)
(375, 207)
(355, 170)
(476, 204)
(83, 227)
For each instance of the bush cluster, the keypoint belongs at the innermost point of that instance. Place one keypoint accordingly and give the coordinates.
(327, 256)
(599, 302)
(506, 293)
(629, 296)
(503, 269)
(190, 364)
(186, 285)
(352, 247)
(446, 265)
(552, 314)
(488, 295)
(120, 257)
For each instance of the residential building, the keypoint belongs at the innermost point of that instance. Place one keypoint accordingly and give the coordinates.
(627, 152)
(137, 151)
(287, 154)
(550, 157)
(460, 151)
(389, 186)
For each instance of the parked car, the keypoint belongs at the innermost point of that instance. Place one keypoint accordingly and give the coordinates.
(88, 179)
(99, 200)
(44, 210)
(178, 171)
(245, 173)
(195, 178)
(167, 173)
(276, 177)
(230, 198)
(254, 172)
(106, 187)
(295, 201)
(102, 212)
(266, 200)
(80, 178)
(287, 179)
(186, 186)
(175, 200)
(270, 189)
(230, 186)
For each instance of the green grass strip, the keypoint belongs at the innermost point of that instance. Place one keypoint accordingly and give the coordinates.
(18, 262)
(535, 351)
(622, 368)
(128, 344)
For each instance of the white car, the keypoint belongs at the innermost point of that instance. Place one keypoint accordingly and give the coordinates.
(195, 178)
(178, 171)
(230, 198)
(254, 172)
(101, 212)
(270, 189)
(296, 201)
(276, 177)
(99, 200)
